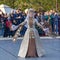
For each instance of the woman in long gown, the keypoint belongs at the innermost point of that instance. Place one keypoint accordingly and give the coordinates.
(31, 45)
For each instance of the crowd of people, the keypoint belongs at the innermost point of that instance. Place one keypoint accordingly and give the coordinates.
(9, 23)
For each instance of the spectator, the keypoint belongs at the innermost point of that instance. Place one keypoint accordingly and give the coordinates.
(59, 24)
(16, 17)
(56, 23)
(8, 24)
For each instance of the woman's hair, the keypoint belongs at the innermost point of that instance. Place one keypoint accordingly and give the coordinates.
(29, 10)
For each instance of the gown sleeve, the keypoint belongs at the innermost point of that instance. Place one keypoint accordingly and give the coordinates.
(24, 22)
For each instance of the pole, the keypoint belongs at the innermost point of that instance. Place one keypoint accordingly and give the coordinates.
(56, 6)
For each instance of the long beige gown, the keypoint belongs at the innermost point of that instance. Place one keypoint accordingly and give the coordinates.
(31, 45)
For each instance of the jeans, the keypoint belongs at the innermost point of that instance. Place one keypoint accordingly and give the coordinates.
(1, 31)
(56, 26)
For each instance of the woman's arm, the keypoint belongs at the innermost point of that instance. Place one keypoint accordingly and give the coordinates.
(24, 22)
(18, 30)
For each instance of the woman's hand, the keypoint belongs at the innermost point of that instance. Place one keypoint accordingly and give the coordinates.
(14, 40)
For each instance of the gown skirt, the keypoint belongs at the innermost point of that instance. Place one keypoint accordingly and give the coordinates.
(32, 52)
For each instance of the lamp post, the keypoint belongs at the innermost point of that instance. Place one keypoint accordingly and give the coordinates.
(56, 6)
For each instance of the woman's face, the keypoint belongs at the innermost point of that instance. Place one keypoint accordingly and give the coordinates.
(31, 14)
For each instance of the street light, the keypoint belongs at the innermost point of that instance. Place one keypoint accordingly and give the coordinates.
(56, 6)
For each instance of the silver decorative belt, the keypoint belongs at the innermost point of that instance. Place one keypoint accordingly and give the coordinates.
(31, 33)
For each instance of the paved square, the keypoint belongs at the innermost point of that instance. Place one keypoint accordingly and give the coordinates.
(9, 50)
